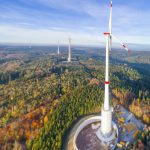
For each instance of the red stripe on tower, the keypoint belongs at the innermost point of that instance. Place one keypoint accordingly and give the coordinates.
(106, 33)
(107, 82)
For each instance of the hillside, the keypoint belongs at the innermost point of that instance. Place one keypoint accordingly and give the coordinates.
(41, 96)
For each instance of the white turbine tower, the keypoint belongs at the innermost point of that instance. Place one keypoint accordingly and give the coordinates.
(58, 51)
(106, 129)
(106, 124)
(69, 50)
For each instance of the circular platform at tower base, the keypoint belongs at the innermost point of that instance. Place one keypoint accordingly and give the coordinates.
(87, 136)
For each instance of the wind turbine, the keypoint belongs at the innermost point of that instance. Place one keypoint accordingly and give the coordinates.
(106, 122)
(29, 44)
(69, 50)
(58, 51)
(106, 130)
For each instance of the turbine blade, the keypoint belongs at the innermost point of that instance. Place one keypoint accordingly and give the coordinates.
(122, 44)
(110, 26)
(110, 18)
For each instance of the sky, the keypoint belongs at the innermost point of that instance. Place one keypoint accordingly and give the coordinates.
(47, 21)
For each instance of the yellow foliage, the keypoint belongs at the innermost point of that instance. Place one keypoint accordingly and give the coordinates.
(51, 110)
(55, 102)
(146, 118)
(34, 124)
(11, 97)
(43, 110)
(45, 119)
(41, 121)
(34, 94)
(28, 134)
(14, 114)
(136, 110)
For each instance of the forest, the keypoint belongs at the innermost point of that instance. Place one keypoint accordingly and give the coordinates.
(42, 96)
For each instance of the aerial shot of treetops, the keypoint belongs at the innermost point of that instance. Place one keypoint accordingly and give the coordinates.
(74, 75)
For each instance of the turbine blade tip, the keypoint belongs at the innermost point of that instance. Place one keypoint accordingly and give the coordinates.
(111, 3)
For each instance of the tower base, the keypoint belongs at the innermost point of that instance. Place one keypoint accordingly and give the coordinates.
(106, 122)
(106, 138)
(87, 136)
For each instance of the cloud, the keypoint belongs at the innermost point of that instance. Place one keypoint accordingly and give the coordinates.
(44, 36)
(56, 19)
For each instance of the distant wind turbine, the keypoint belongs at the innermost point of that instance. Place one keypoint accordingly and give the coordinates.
(69, 50)
(58, 51)
(30, 45)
